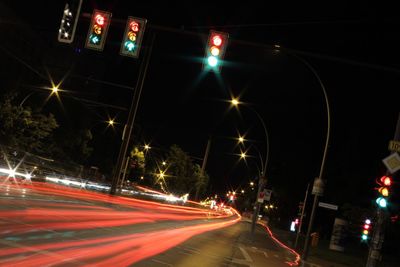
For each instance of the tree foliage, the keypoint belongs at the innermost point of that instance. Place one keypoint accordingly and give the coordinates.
(181, 175)
(24, 128)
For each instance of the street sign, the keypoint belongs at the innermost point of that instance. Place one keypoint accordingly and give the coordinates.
(267, 194)
(260, 197)
(327, 206)
(392, 162)
(318, 187)
(394, 146)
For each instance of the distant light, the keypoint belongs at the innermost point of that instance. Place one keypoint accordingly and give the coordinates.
(164, 163)
(241, 139)
(11, 173)
(141, 177)
(54, 89)
(242, 191)
(386, 180)
(111, 122)
(243, 155)
(293, 226)
(147, 147)
(28, 176)
(251, 183)
(212, 61)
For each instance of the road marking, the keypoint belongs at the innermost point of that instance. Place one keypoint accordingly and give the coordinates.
(276, 256)
(245, 254)
(161, 262)
(265, 254)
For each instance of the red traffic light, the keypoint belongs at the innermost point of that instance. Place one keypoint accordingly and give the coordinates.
(366, 226)
(215, 50)
(386, 180)
(100, 19)
(98, 29)
(132, 39)
(217, 40)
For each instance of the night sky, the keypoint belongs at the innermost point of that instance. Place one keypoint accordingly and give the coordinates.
(353, 47)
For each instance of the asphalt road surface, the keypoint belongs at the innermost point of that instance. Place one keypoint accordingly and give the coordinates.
(51, 225)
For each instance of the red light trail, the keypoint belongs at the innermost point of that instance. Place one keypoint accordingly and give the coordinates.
(102, 230)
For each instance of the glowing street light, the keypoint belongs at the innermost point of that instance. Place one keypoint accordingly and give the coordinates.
(147, 147)
(235, 102)
(243, 155)
(111, 122)
(241, 139)
(242, 191)
(251, 183)
(164, 163)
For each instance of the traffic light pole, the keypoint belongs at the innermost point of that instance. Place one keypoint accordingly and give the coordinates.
(131, 117)
(374, 254)
(301, 217)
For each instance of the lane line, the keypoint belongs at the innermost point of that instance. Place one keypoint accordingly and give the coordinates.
(245, 254)
(162, 262)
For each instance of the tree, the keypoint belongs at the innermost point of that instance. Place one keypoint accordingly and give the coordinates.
(23, 128)
(137, 162)
(201, 180)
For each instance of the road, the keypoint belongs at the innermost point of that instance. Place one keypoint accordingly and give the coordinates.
(46, 224)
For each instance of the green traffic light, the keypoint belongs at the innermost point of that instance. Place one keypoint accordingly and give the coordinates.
(212, 61)
(381, 202)
(130, 46)
(364, 237)
(94, 39)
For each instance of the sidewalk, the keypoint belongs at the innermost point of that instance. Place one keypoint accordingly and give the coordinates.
(322, 255)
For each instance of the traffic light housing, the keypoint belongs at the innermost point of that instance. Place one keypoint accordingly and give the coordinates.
(133, 35)
(69, 20)
(215, 50)
(98, 29)
(366, 230)
(384, 183)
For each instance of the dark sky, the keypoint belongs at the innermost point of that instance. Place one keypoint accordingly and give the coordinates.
(353, 47)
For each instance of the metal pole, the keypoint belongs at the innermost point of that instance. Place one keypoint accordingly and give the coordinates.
(322, 168)
(301, 217)
(261, 184)
(203, 166)
(131, 116)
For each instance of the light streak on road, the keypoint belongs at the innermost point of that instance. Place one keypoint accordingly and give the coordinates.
(292, 263)
(105, 230)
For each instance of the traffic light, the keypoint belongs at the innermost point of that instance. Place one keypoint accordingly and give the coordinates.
(385, 183)
(98, 29)
(215, 50)
(69, 20)
(366, 230)
(133, 36)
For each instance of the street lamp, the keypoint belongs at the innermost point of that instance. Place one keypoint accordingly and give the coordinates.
(147, 147)
(241, 139)
(111, 122)
(235, 102)
(243, 155)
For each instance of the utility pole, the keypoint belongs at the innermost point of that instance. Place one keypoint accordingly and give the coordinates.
(203, 166)
(378, 236)
(131, 117)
